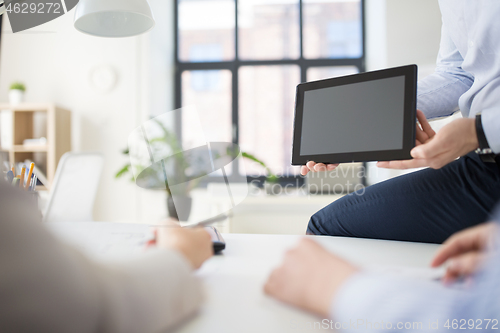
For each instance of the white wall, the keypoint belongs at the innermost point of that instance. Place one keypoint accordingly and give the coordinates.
(401, 32)
(55, 61)
(414, 31)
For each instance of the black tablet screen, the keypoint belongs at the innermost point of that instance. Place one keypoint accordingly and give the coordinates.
(357, 117)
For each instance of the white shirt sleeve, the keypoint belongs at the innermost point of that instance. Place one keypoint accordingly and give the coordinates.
(47, 286)
(438, 94)
(387, 303)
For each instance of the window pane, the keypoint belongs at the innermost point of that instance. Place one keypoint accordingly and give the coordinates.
(267, 97)
(332, 29)
(210, 92)
(268, 29)
(320, 73)
(206, 30)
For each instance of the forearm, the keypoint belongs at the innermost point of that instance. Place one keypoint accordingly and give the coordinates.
(374, 298)
(148, 294)
(438, 94)
(386, 301)
(64, 291)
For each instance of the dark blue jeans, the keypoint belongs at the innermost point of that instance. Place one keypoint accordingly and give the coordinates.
(424, 206)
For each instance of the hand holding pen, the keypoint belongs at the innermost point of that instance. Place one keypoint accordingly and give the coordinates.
(195, 244)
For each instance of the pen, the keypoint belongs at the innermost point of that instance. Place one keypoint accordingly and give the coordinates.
(22, 175)
(28, 181)
(10, 176)
(207, 222)
(35, 179)
(32, 181)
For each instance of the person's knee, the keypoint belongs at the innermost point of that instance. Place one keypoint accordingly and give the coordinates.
(325, 222)
(314, 227)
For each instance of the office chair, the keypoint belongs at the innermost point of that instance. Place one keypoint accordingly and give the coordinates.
(74, 189)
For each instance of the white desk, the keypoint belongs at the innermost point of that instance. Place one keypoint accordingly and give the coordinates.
(234, 280)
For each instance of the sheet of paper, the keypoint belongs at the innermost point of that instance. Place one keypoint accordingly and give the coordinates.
(423, 273)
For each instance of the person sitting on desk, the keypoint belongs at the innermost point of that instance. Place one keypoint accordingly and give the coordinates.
(320, 282)
(47, 286)
(431, 204)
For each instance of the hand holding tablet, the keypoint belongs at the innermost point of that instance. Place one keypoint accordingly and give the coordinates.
(435, 150)
(424, 133)
(313, 166)
(356, 118)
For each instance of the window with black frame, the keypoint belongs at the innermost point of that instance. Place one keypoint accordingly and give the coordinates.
(239, 62)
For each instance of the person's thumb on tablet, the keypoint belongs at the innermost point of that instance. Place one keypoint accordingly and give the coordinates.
(313, 166)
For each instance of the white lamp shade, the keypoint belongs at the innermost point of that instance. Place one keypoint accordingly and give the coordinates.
(113, 18)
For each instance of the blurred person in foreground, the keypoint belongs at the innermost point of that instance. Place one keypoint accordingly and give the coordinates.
(48, 286)
(318, 281)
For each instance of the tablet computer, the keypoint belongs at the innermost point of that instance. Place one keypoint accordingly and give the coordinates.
(357, 118)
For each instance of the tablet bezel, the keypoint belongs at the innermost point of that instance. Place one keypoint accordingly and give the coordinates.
(409, 121)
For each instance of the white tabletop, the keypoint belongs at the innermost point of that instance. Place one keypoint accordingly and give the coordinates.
(235, 301)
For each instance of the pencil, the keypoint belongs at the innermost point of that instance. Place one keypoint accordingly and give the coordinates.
(23, 172)
(27, 186)
(13, 170)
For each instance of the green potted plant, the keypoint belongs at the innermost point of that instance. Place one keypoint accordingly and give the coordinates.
(271, 178)
(153, 176)
(16, 93)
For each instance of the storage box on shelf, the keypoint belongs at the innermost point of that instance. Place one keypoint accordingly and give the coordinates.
(23, 125)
